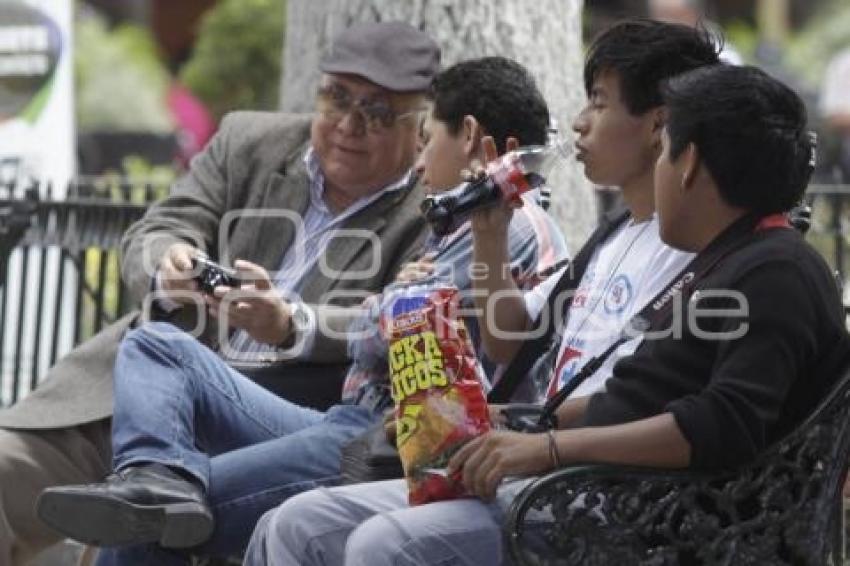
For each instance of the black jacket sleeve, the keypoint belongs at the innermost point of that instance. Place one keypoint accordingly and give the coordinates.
(728, 422)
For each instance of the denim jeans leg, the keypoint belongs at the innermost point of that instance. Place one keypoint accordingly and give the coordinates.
(248, 482)
(177, 402)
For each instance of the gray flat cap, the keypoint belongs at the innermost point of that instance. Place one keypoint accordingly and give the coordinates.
(393, 55)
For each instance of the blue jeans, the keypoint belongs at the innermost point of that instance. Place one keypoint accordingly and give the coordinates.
(177, 403)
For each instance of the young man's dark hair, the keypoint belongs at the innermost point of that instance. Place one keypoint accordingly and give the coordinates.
(727, 112)
(638, 51)
(484, 88)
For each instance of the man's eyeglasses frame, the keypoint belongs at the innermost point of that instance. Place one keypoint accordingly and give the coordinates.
(375, 114)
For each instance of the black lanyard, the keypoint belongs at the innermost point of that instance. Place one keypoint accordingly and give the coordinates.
(533, 348)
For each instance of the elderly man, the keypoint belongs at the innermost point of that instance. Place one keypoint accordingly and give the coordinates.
(282, 193)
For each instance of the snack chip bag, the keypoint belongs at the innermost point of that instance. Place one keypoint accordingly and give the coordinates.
(436, 384)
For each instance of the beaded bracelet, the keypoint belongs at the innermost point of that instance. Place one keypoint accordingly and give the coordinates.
(553, 449)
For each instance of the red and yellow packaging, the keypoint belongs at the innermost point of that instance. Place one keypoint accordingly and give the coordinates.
(436, 385)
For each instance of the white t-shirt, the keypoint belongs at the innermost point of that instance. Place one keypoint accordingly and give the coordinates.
(624, 274)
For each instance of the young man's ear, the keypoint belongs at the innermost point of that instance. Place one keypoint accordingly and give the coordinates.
(690, 165)
(471, 132)
(658, 120)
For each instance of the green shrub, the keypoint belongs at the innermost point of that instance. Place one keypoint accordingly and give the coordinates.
(828, 32)
(236, 63)
(120, 82)
(743, 37)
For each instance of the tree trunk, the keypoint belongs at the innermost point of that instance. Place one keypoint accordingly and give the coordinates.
(543, 35)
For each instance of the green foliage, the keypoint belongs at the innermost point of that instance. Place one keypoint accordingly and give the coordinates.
(120, 82)
(831, 240)
(141, 174)
(111, 280)
(143, 178)
(744, 37)
(236, 63)
(829, 31)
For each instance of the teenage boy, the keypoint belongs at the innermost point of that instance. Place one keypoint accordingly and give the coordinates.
(622, 268)
(736, 156)
(208, 452)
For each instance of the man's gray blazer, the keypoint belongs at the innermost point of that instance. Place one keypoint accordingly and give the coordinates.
(255, 162)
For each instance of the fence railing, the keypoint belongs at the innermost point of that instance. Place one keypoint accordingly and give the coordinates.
(60, 273)
(830, 231)
(61, 282)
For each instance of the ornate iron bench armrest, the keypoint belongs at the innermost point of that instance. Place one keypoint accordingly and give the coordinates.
(783, 508)
(601, 514)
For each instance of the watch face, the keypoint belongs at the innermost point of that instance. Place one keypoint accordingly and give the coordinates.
(300, 318)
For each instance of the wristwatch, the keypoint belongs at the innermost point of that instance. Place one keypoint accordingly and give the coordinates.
(299, 322)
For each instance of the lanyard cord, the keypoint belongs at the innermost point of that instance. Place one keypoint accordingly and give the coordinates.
(558, 339)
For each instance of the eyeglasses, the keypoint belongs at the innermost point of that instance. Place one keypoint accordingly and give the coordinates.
(376, 114)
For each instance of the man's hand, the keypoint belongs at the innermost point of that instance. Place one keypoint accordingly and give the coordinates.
(485, 461)
(415, 270)
(492, 220)
(506, 314)
(255, 308)
(175, 271)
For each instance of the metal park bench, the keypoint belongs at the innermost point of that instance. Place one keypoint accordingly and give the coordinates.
(783, 509)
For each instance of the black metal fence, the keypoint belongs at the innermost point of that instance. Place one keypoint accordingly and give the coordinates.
(59, 268)
(830, 232)
(60, 276)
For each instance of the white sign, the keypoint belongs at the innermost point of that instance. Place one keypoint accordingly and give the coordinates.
(37, 145)
(36, 92)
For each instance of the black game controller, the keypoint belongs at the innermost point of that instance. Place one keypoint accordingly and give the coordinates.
(210, 275)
